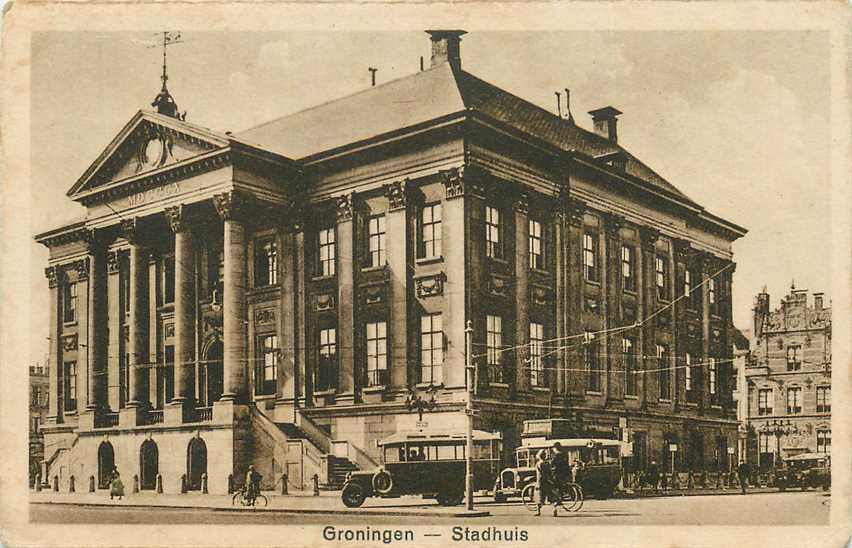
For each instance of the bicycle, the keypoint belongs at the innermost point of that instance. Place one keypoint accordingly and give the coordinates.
(571, 497)
(240, 497)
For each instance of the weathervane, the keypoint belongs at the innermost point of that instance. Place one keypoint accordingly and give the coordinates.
(164, 102)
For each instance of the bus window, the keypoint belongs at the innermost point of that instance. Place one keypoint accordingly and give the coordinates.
(394, 454)
(460, 452)
(523, 458)
(416, 453)
(481, 451)
(446, 452)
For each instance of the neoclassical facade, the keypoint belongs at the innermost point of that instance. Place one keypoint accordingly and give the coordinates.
(289, 295)
(788, 378)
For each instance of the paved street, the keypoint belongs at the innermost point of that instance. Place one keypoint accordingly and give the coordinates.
(792, 508)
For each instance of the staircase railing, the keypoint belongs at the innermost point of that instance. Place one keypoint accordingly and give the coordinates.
(315, 434)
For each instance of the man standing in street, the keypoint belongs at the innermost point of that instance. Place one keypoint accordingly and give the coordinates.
(742, 474)
(544, 479)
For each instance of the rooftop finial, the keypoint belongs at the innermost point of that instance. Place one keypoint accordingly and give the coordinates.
(568, 105)
(164, 102)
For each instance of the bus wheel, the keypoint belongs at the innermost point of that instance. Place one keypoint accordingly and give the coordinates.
(352, 495)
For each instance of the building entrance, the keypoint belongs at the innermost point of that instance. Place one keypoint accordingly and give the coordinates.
(106, 464)
(149, 459)
(196, 463)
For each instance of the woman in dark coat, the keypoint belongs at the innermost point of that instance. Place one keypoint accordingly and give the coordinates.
(116, 486)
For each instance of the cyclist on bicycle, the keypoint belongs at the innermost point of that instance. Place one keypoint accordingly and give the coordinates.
(560, 466)
(252, 488)
(544, 481)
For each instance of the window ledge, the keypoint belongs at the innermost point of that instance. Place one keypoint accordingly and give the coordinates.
(375, 389)
(541, 271)
(591, 282)
(429, 385)
(429, 260)
(326, 392)
(630, 397)
(374, 268)
(323, 278)
(664, 400)
(594, 393)
(632, 292)
(541, 389)
(499, 384)
(497, 260)
(69, 324)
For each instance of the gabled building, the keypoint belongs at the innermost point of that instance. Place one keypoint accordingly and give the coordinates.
(789, 378)
(288, 295)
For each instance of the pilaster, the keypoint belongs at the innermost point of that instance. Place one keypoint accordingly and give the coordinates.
(522, 315)
(648, 382)
(55, 279)
(575, 378)
(114, 323)
(396, 225)
(346, 326)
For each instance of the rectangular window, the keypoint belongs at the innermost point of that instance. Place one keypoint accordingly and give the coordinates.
(823, 399)
(794, 400)
(169, 279)
(664, 371)
(764, 401)
(376, 248)
(265, 263)
(628, 276)
(687, 370)
(590, 257)
(69, 302)
(326, 378)
(711, 293)
(266, 372)
(824, 441)
(377, 353)
(327, 252)
(694, 299)
(536, 245)
(431, 348)
(794, 361)
(661, 268)
(687, 287)
(592, 362)
(764, 443)
(69, 385)
(430, 231)
(493, 347)
(493, 236)
(628, 351)
(537, 354)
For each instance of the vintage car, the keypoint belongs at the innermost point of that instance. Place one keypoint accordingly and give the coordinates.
(429, 464)
(601, 466)
(803, 471)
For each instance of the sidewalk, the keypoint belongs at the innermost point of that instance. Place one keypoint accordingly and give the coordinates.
(299, 502)
(692, 492)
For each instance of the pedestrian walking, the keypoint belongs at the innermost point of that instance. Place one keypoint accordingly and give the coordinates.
(654, 475)
(116, 486)
(544, 480)
(742, 474)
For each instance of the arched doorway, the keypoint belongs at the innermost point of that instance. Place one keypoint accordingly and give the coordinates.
(196, 463)
(210, 375)
(106, 464)
(149, 463)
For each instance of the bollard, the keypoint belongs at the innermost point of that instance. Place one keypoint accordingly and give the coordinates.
(135, 483)
(230, 483)
(204, 483)
(56, 483)
(183, 484)
(703, 479)
(718, 480)
(71, 484)
(315, 481)
(38, 482)
(91, 484)
(159, 483)
(284, 487)
(690, 480)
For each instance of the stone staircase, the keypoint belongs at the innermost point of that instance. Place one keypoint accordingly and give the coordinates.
(338, 467)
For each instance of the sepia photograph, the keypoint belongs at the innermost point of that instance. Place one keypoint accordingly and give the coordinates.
(422, 285)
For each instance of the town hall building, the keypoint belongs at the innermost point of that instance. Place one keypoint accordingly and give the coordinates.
(289, 295)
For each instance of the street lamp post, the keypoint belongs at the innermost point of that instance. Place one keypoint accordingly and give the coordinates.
(779, 429)
(469, 377)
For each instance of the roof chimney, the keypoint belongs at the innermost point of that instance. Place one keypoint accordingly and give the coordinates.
(606, 122)
(446, 47)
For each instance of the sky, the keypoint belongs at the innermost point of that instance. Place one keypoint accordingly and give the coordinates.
(738, 121)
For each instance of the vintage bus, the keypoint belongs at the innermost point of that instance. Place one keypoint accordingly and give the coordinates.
(429, 464)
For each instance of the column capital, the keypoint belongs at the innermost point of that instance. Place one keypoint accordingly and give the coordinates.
(130, 230)
(576, 210)
(54, 276)
(82, 268)
(522, 202)
(682, 249)
(649, 237)
(464, 180)
(177, 217)
(345, 207)
(612, 224)
(113, 262)
(397, 195)
(233, 205)
(93, 239)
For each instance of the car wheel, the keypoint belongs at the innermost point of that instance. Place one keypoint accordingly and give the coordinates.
(382, 482)
(352, 495)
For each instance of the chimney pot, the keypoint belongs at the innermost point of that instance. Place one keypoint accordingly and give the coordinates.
(446, 47)
(606, 122)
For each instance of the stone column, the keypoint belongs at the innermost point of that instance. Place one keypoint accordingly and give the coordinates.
(556, 377)
(522, 313)
(397, 251)
(706, 269)
(287, 389)
(184, 309)
(613, 378)
(575, 381)
(114, 316)
(138, 343)
(678, 318)
(231, 207)
(55, 278)
(648, 381)
(346, 294)
(96, 321)
(153, 329)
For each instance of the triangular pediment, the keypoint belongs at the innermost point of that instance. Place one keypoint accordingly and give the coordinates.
(148, 142)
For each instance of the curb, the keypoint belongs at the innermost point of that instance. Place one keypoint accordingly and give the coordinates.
(376, 512)
(693, 494)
